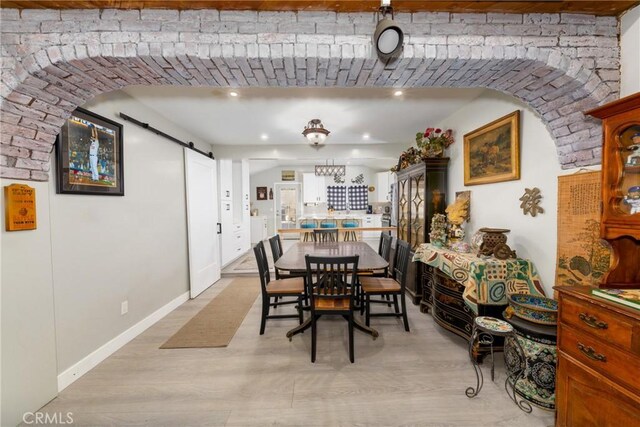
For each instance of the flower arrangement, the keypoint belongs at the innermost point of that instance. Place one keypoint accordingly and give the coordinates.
(434, 141)
(431, 143)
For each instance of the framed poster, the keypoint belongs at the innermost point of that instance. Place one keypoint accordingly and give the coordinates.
(89, 155)
(261, 193)
(492, 152)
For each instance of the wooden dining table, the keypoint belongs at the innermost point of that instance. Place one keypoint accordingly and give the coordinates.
(293, 261)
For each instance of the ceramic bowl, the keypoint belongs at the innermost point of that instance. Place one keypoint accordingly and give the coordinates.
(534, 308)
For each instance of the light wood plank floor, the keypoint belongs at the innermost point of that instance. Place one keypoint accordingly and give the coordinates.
(415, 378)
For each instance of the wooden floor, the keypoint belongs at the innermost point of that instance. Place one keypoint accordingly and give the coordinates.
(415, 378)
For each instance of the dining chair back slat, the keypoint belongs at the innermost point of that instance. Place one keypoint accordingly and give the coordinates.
(279, 290)
(263, 265)
(384, 247)
(331, 285)
(401, 263)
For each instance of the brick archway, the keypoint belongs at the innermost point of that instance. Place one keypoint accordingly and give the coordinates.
(48, 72)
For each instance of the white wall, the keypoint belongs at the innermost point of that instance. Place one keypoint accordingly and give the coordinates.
(630, 52)
(28, 337)
(110, 249)
(497, 205)
(88, 255)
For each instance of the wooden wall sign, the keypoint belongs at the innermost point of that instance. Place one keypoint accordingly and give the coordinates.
(20, 207)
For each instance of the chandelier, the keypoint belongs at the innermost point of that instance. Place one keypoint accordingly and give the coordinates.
(315, 132)
(330, 170)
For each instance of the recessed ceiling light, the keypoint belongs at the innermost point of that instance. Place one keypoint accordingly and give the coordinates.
(264, 137)
(234, 94)
(397, 93)
(366, 136)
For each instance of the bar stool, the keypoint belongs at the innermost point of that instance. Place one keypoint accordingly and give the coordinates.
(309, 224)
(485, 329)
(350, 235)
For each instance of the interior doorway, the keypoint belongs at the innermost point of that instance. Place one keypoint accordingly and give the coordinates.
(287, 207)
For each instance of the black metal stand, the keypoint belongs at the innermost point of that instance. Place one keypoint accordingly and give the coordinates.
(485, 337)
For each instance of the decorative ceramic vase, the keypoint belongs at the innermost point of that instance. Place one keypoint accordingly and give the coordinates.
(456, 233)
(432, 151)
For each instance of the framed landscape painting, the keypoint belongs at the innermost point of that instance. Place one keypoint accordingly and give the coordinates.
(492, 152)
(89, 155)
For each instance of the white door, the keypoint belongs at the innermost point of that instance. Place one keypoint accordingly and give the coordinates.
(202, 221)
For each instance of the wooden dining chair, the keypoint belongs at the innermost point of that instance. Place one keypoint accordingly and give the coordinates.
(393, 286)
(276, 251)
(331, 284)
(323, 236)
(277, 289)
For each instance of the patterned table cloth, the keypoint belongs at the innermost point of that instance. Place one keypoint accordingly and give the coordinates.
(487, 281)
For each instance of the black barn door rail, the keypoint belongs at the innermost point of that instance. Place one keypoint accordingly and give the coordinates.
(169, 137)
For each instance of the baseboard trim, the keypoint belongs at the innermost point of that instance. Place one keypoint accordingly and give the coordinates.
(70, 375)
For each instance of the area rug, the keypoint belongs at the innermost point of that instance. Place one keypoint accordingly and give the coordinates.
(248, 264)
(216, 324)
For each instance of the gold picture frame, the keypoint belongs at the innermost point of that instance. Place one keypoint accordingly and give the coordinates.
(492, 152)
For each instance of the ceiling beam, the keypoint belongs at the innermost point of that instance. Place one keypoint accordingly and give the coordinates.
(596, 7)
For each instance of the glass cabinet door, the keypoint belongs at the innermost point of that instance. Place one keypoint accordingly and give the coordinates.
(417, 211)
(629, 186)
(403, 211)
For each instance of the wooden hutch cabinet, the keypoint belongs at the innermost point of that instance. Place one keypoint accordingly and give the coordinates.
(620, 222)
(599, 341)
(422, 192)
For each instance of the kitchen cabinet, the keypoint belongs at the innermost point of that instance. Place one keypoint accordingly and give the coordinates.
(374, 220)
(225, 175)
(235, 223)
(259, 229)
(383, 187)
(314, 188)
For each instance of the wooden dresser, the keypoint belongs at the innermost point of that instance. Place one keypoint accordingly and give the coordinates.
(598, 377)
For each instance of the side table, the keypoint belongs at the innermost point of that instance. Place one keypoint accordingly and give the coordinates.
(540, 358)
(485, 330)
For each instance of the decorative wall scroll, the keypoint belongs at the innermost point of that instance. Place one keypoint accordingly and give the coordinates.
(583, 258)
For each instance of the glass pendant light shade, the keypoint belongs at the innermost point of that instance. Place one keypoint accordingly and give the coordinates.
(315, 132)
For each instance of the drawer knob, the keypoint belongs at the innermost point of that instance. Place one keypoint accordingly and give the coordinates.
(590, 352)
(592, 321)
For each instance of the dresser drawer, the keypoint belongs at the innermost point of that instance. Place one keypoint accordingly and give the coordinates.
(446, 281)
(600, 322)
(620, 366)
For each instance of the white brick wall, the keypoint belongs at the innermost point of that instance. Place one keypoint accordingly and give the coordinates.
(53, 61)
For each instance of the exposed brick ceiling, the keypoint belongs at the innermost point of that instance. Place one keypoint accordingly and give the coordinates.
(598, 7)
